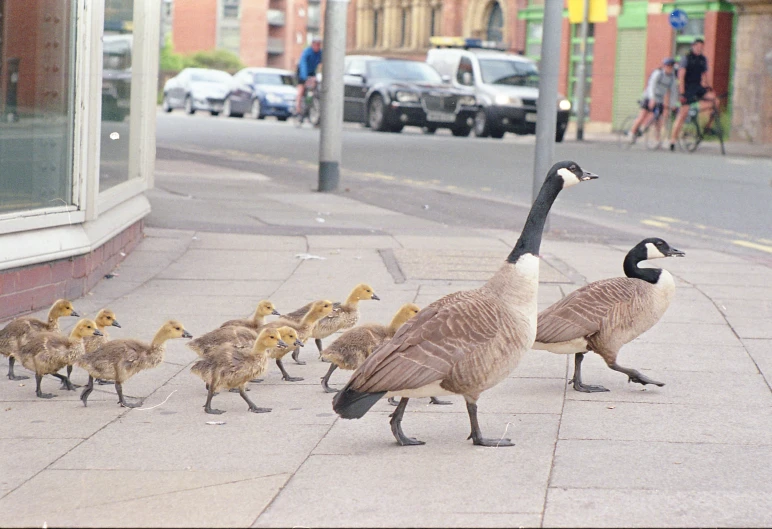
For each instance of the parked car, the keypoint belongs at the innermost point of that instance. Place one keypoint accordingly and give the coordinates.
(116, 77)
(197, 89)
(505, 85)
(261, 92)
(387, 94)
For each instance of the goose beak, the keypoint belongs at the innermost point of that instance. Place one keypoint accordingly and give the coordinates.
(675, 253)
(75, 314)
(186, 334)
(587, 175)
(282, 344)
(116, 324)
(97, 332)
(299, 343)
(275, 312)
(375, 297)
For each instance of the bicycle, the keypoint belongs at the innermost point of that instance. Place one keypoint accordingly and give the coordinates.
(645, 130)
(309, 104)
(692, 134)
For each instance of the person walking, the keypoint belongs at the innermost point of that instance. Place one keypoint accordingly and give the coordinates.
(660, 95)
(307, 64)
(692, 86)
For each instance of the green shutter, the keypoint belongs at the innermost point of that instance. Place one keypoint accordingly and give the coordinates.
(630, 76)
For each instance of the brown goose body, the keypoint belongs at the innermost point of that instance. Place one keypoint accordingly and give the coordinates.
(236, 336)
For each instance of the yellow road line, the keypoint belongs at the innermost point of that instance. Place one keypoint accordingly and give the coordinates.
(755, 246)
(656, 223)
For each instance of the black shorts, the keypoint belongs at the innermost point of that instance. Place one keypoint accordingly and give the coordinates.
(658, 107)
(694, 93)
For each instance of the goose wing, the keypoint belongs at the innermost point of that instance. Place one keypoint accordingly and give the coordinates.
(583, 311)
(297, 315)
(426, 348)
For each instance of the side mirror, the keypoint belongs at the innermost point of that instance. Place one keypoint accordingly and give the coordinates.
(466, 78)
(446, 79)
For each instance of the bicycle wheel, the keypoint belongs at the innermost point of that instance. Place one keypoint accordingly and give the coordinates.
(719, 132)
(623, 132)
(690, 136)
(650, 134)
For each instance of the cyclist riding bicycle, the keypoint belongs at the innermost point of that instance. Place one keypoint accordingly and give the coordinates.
(693, 86)
(661, 93)
(307, 64)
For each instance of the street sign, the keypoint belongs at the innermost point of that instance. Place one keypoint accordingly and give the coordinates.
(598, 11)
(678, 19)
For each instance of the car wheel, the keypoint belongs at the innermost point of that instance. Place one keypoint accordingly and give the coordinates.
(189, 108)
(165, 104)
(396, 128)
(254, 110)
(481, 129)
(214, 112)
(429, 130)
(461, 131)
(375, 114)
(497, 133)
(227, 110)
(282, 118)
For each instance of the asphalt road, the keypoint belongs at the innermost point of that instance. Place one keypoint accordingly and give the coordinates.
(704, 195)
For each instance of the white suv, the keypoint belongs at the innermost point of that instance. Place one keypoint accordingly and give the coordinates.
(505, 85)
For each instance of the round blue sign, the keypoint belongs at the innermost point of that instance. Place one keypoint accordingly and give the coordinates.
(678, 19)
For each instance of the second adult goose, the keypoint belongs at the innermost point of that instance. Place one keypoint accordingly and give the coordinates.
(607, 314)
(466, 342)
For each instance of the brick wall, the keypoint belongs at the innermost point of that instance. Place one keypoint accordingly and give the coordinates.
(35, 287)
(603, 64)
(254, 32)
(194, 27)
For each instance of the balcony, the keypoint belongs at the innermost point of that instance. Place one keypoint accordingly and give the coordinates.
(275, 46)
(276, 17)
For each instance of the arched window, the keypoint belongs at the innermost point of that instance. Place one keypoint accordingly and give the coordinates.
(495, 29)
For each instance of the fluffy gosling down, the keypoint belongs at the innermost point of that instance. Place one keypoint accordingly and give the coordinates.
(119, 360)
(48, 352)
(353, 347)
(19, 331)
(105, 318)
(607, 314)
(264, 308)
(467, 342)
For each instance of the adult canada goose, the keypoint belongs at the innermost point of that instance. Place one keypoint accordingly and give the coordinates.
(47, 352)
(607, 314)
(119, 360)
(264, 308)
(19, 331)
(466, 342)
(105, 318)
(353, 347)
(344, 316)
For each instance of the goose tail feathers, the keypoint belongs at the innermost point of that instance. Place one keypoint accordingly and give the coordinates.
(351, 404)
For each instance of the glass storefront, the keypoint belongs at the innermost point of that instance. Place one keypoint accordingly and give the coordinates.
(37, 62)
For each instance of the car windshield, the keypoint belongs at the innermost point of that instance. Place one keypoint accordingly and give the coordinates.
(412, 71)
(505, 71)
(210, 76)
(274, 79)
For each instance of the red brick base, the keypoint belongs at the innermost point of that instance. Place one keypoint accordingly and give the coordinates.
(34, 287)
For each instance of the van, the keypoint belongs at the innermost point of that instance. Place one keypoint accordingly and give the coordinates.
(505, 85)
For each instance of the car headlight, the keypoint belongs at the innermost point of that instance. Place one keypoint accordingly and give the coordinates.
(273, 99)
(467, 101)
(407, 97)
(512, 101)
(564, 104)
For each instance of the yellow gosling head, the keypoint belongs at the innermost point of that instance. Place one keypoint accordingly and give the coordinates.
(173, 329)
(84, 328)
(106, 318)
(320, 309)
(266, 308)
(363, 292)
(269, 338)
(290, 336)
(62, 307)
(405, 312)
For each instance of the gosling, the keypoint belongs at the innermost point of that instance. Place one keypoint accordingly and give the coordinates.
(105, 318)
(264, 308)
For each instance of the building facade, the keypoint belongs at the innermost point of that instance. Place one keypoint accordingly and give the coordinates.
(77, 142)
(622, 51)
(261, 32)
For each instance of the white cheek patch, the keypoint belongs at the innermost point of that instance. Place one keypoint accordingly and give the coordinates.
(569, 178)
(652, 252)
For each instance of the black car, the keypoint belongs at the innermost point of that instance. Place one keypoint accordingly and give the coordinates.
(387, 94)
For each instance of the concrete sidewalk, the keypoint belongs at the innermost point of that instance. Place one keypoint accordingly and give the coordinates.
(693, 453)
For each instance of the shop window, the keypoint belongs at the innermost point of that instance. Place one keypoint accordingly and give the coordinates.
(534, 31)
(37, 59)
(576, 56)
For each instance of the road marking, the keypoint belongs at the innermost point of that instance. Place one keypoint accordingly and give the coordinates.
(611, 209)
(667, 219)
(655, 223)
(755, 246)
(486, 189)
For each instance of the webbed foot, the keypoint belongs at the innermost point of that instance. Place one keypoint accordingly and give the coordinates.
(213, 411)
(643, 379)
(393, 401)
(256, 381)
(126, 404)
(255, 409)
(42, 395)
(586, 388)
(17, 377)
(102, 382)
(292, 379)
(483, 441)
(435, 400)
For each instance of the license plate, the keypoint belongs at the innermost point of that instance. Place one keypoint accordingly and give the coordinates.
(441, 117)
(530, 118)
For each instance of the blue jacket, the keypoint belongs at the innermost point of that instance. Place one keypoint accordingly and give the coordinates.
(308, 62)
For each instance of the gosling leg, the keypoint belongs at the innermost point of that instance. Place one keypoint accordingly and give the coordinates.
(435, 400)
(11, 375)
(393, 401)
(284, 373)
(476, 435)
(295, 355)
(72, 385)
(122, 401)
(318, 342)
(66, 384)
(252, 407)
(396, 426)
(38, 392)
(87, 391)
(634, 375)
(208, 406)
(326, 380)
(577, 380)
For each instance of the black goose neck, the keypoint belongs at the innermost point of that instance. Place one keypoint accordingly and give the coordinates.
(530, 238)
(631, 268)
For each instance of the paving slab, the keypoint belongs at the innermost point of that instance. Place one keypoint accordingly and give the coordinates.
(21, 459)
(761, 353)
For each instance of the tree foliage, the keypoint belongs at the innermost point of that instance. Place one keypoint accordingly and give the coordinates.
(171, 61)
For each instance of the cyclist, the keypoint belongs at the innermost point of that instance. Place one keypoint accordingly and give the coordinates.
(660, 94)
(693, 86)
(309, 61)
